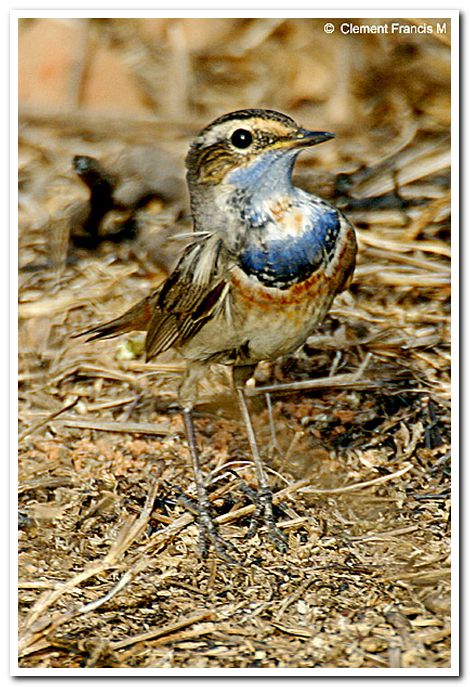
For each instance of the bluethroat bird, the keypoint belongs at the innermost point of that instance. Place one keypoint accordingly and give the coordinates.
(266, 261)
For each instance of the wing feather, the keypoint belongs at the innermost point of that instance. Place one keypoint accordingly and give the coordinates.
(189, 297)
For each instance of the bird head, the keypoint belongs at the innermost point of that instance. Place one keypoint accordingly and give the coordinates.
(241, 148)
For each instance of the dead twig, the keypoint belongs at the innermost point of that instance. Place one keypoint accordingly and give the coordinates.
(30, 430)
(112, 426)
(359, 485)
(344, 381)
(167, 629)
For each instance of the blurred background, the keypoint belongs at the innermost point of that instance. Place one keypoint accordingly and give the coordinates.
(188, 71)
(132, 93)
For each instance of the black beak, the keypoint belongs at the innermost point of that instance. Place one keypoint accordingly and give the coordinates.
(312, 138)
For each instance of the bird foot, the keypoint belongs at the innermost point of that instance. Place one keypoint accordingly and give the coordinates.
(263, 515)
(208, 531)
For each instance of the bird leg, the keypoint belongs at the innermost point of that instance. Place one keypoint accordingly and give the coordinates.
(274, 445)
(264, 498)
(207, 528)
(208, 533)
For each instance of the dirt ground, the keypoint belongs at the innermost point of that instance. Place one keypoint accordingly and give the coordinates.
(358, 447)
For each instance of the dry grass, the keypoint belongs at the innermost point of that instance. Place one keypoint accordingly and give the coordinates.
(359, 456)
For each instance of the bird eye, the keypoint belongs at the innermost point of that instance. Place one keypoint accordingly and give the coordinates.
(241, 138)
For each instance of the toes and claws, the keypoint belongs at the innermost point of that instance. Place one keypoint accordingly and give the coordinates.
(264, 515)
(208, 531)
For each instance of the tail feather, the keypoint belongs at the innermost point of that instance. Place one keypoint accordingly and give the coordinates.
(135, 319)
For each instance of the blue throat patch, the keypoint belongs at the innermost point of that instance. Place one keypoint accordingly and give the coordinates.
(281, 263)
